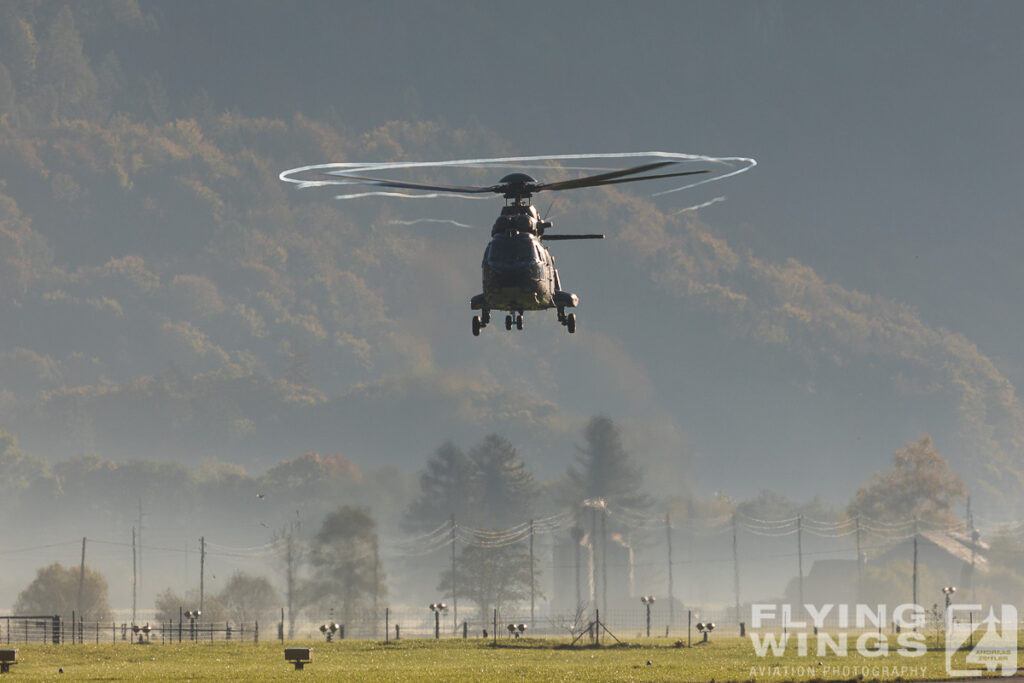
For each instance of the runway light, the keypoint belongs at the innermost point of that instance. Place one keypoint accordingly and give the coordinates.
(648, 600)
(437, 608)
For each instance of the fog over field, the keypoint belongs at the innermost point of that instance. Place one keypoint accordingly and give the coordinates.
(193, 348)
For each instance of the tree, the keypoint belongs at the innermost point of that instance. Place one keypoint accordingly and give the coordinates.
(17, 470)
(919, 485)
(7, 95)
(170, 605)
(66, 67)
(248, 598)
(604, 469)
(505, 490)
(345, 562)
(447, 487)
(491, 578)
(55, 591)
(1005, 576)
(311, 476)
(771, 505)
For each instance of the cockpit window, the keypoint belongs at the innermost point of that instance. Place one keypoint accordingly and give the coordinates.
(509, 251)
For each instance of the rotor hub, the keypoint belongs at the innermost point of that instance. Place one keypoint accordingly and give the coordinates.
(518, 185)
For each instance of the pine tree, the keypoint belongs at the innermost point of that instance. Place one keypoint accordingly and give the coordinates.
(604, 469)
(447, 487)
(506, 491)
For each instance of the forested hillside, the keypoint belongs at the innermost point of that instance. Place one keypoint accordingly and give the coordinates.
(166, 297)
(163, 293)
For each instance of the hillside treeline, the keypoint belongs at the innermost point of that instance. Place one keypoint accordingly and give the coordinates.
(223, 499)
(162, 293)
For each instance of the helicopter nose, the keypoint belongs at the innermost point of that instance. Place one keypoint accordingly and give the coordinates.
(510, 276)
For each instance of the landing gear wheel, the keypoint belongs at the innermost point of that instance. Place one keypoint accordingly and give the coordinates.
(519, 321)
(508, 322)
(476, 326)
(570, 323)
(485, 318)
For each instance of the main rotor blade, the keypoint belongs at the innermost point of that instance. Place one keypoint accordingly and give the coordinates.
(586, 181)
(458, 189)
(613, 181)
(571, 237)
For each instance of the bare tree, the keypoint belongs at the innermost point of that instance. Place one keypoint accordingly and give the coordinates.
(248, 598)
(491, 577)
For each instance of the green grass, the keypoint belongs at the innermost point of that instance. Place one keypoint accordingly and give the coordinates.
(725, 659)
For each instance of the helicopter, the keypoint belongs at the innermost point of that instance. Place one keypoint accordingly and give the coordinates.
(519, 272)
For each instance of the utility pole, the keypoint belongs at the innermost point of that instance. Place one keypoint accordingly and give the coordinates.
(860, 563)
(915, 562)
(604, 560)
(202, 568)
(376, 585)
(532, 621)
(577, 537)
(135, 579)
(800, 553)
(140, 540)
(455, 599)
(735, 568)
(671, 601)
(81, 577)
(972, 533)
(594, 572)
(289, 550)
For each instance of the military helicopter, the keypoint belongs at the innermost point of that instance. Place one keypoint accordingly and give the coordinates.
(519, 272)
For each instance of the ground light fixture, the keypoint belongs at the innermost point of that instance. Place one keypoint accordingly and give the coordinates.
(329, 630)
(192, 615)
(948, 590)
(437, 608)
(648, 600)
(516, 630)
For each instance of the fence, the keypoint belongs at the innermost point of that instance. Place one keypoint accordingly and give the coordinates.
(630, 622)
(29, 629)
(400, 623)
(55, 630)
(423, 624)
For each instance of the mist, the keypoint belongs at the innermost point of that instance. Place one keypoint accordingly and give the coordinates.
(194, 349)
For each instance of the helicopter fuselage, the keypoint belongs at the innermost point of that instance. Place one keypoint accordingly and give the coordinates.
(518, 273)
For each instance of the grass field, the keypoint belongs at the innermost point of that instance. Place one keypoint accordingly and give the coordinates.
(725, 659)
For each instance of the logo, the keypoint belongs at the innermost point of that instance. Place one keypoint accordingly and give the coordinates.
(990, 643)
